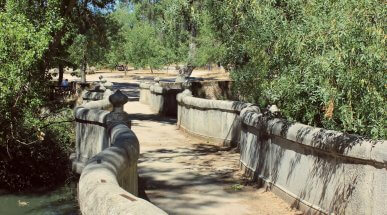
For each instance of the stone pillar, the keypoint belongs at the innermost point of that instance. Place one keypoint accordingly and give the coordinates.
(157, 81)
(118, 115)
(187, 88)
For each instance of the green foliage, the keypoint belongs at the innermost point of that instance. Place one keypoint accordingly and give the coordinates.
(143, 47)
(322, 63)
(138, 42)
(43, 162)
(237, 187)
(90, 46)
(20, 80)
(32, 33)
(209, 49)
(163, 32)
(27, 158)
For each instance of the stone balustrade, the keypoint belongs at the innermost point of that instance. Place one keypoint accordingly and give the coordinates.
(106, 157)
(161, 99)
(316, 170)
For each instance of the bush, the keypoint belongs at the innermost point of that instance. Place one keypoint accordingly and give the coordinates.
(33, 151)
(322, 62)
(42, 163)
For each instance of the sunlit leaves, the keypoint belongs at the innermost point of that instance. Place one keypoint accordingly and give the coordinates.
(308, 57)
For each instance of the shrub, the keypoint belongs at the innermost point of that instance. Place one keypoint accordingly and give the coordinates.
(321, 62)
(41, 163)
(27, 157)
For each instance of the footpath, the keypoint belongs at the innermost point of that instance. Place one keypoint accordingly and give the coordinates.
(185, 175)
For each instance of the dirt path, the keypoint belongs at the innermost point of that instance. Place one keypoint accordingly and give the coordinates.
(145, 75)
(184, 175)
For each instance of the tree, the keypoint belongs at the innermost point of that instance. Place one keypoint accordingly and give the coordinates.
(33, 36)
(140, 43)
(321, 63)
(143, 47)
(90, 45)
(181, 30)
(184, 29)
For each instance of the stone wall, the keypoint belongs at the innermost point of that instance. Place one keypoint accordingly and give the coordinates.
(105, 181)
(161, 96)
(216, 120)
(315, 170)
(106, 157)
(161, 99)
(91, 135)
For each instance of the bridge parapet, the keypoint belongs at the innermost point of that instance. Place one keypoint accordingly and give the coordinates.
(316, 170)
(107, 152)
(161, 98)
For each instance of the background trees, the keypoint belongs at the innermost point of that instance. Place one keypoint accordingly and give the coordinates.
(167, 31)
(321, 62)
(140, 43)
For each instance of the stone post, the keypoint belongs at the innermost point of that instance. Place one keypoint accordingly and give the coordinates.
(157, 81)
(118, 115)
(187, 85)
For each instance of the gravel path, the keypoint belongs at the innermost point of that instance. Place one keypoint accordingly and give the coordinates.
(185, 175)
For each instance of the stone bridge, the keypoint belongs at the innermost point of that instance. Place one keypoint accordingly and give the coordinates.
(201, 156)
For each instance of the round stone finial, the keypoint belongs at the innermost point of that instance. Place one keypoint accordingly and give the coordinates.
(118, 99)
(186, 84)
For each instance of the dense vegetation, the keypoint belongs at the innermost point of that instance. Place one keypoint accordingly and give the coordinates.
(35, 133)
(321, 62)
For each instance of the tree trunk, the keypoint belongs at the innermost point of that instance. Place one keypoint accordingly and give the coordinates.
(151, 69)
(186, 71)
(83, 72)
(61, 71)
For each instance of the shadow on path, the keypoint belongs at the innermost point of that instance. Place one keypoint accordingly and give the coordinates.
(183, 180)
(129, 89)
(151, 117)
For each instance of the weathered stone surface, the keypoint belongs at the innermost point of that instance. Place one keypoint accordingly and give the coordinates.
(181, 79)
(106, 157)
(97, 100)
(145, 93)
(91, 136)
(161, 99)
(317, 170)
(107, 178)
(215, 119)
(328, 171)
(118, 115)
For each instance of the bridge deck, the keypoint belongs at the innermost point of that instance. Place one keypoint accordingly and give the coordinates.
(185, 175)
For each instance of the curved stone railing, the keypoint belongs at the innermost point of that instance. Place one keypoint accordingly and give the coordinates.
(161, 99)
(145, 93)
(90, 117)
(315, 170)
(108, 176)
(216, 120)
(106, 157)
